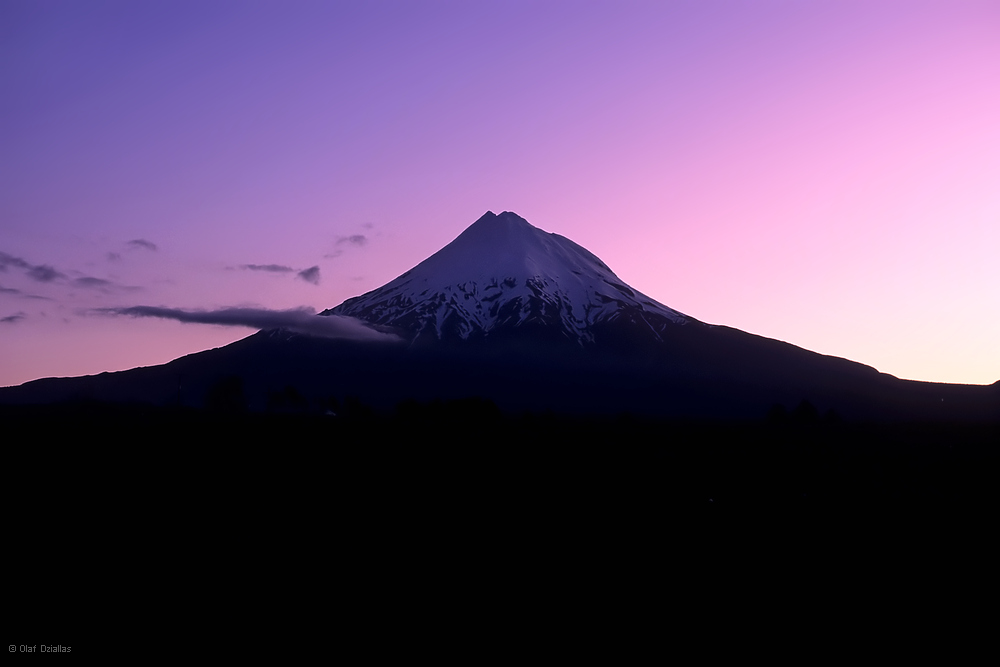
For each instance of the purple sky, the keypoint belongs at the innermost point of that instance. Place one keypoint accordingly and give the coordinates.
(824, 173)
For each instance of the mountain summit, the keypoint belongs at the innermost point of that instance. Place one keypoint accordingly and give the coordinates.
(502, 276)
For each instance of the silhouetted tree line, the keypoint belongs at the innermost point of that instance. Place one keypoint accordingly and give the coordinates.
(804, 414)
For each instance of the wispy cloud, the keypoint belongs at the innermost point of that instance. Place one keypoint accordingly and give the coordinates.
(42, 273)
(114, 256)
(272, 268)
(358, 240)
(310, 275)
(142, 244)
(13, 319)
(106, 286)
(353, 239)
(87, 281)
(19, 293)
(301, 320)
(9, 260)
(45, 273)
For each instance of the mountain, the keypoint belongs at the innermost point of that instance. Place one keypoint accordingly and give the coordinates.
(530, 321)
(504, 277)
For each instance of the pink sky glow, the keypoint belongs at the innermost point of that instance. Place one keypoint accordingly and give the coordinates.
(824, 173)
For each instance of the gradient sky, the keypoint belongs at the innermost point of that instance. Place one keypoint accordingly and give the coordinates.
(823, 173)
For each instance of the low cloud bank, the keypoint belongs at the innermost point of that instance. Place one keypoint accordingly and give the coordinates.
(300, 320)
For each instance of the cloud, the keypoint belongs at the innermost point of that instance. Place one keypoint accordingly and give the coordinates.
(300, 320)
(9, 260)
(273, 268)
(23, 295)
(142, 244)
(87, 281)
(310, 275)
(106, 286)
(12, 319)
(354, 239)
(359, 240)
(114, 256)
(44, 273)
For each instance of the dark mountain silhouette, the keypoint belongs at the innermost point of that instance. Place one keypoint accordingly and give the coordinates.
(529, 321)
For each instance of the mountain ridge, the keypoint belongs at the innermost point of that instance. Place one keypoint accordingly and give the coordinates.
(532, 322)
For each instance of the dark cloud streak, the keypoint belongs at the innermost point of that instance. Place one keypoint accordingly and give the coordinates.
(22, 294)
(42, 273)
(9, 260)
(300, 320)
(87, 281)
(353, 239)
(143, 244)
(273, 268)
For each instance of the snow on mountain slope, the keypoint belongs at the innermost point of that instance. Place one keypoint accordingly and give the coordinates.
(502, 275)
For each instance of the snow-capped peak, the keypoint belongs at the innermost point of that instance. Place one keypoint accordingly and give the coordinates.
(502, 274)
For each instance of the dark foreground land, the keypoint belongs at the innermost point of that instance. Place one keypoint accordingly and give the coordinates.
(363, 516)
(465, 453)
